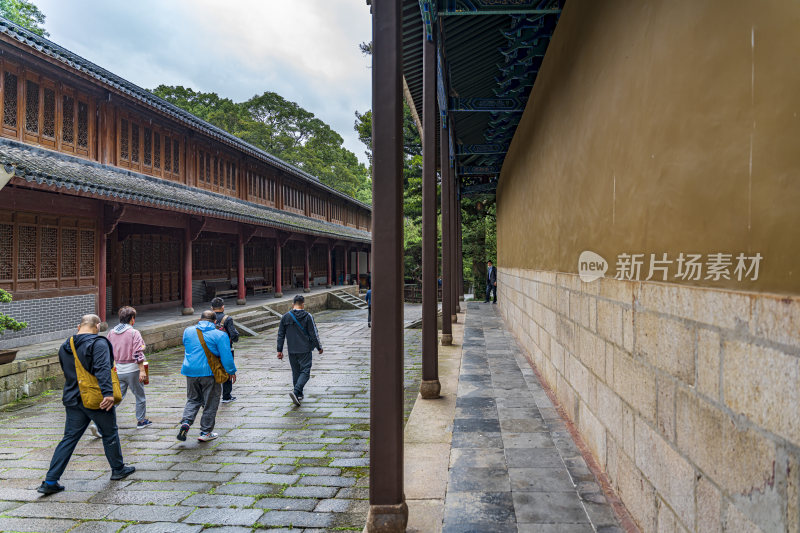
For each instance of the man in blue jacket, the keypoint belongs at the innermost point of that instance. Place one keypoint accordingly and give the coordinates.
(201, 388)
(297, 327)
(96, 356)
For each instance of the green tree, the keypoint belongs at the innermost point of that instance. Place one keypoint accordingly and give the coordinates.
(25, 14)
(283, 129)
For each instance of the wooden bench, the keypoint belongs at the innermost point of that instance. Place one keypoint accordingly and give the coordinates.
(219, 287)
(257, 284)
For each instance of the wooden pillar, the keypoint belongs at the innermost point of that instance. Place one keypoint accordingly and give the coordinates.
(388, 512)
(447, 270)
(278, 273)
(460, 242)
(101, 270)
(241, 296)
(330, 272)
(187, 271)
(358, 267)
(346, 274)
(307, 267)
(453, 245)
(429, 386)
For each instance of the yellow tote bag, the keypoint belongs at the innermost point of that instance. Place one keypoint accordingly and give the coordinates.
(88, 385)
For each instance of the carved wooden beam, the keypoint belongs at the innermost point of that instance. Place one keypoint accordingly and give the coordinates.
(196, 226)
(111, 216)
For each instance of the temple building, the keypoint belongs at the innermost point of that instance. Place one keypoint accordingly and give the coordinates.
(117, 197)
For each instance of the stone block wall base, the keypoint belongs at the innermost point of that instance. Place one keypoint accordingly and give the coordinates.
(306, 290)
(447, 339)
(278, 295)
(429, 389)
(241, 301)
(387, 518)
(188, 311)
(328, 286)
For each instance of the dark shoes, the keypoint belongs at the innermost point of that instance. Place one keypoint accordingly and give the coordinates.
(122, 474)
(229, 400)
(183, 431)
(48, 488)
(143, 423)
(294, 398)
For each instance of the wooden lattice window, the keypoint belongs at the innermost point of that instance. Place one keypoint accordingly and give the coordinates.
(49, 252)
(124, 140)
(6, 254)
(69, 253)
(67, 119)
(148, 147)
(134, 142)
(83, 124)
(87, 253)
(26, 253)
(10, 88)
(167, 154)
(49, 113)
(156, 150)
(31, 107)
(176, 156)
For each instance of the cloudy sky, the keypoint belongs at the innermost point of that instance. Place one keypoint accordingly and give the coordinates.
(305, 50)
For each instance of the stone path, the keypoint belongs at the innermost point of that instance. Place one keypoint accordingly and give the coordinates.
(513, 465)
(274, 465)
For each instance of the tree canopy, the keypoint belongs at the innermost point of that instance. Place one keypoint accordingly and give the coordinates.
(25, 14)
(283, 129)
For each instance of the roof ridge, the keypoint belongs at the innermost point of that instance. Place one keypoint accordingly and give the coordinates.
(46, 46)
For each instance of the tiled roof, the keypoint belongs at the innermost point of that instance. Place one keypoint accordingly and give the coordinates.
(43, 166)
(85, 66)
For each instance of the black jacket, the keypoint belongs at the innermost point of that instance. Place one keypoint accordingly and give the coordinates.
(97, 357)
(298, 341)
(229, 327)
(491, 277)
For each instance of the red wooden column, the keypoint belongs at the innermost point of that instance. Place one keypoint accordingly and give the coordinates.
(187, 271)
(330, 273)
(388, 512)
(278, 269)
(447, 270)
(307, 267)
(429, 386)
(358, 267)
(101, 274)
(346, 280)
(241, 296)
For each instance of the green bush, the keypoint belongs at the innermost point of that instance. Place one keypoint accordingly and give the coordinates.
(6, 322)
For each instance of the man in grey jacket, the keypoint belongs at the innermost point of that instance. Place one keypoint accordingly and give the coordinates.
(298, 329)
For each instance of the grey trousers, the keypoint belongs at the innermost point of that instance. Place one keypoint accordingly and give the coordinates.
(202, 392)
(130, 380)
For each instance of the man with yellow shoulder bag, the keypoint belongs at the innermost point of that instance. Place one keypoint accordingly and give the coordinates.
(207, 364)
(91, 390)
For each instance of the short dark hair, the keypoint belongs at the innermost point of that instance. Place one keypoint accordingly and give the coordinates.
(217, 303)
(126, 314)
(489, 261)
(208, 315)
(299, 299)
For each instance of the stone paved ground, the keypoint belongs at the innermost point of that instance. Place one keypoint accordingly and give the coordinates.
(513, 465)
(274, 465)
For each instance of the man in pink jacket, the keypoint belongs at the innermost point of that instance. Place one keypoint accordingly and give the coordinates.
(129, 356)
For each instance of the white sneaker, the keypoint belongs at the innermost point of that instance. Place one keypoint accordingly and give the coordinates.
(294, 398)
(95, 432)
(205, 437)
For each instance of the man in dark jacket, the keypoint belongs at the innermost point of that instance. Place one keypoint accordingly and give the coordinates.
(97, 357)
(491, 282)
(225, 324)
(297, 327)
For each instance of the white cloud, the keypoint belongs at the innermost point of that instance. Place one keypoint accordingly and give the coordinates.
(305, 50)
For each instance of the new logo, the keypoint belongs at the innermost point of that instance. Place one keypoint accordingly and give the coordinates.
(591, 266)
